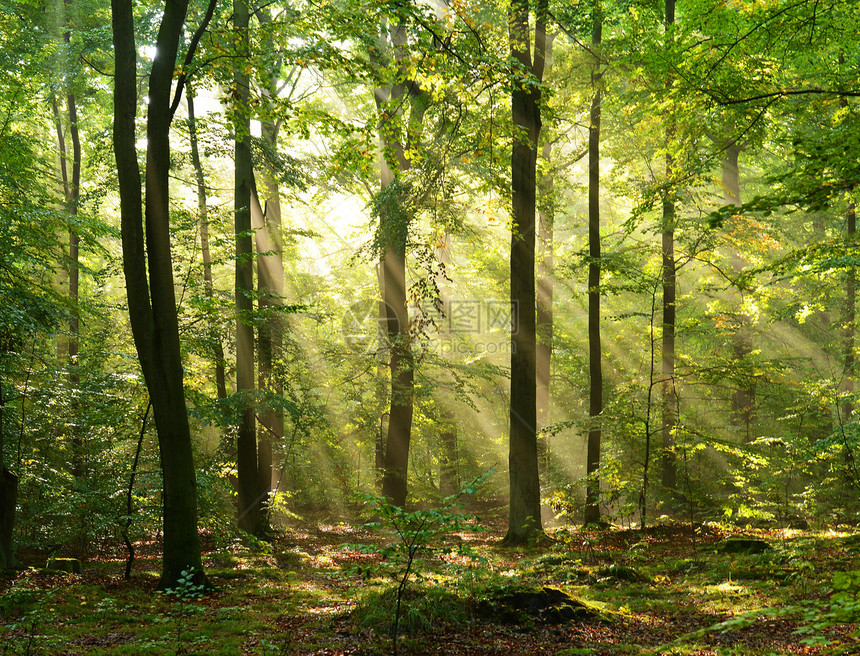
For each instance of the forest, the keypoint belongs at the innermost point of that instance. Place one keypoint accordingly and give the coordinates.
(429, 327)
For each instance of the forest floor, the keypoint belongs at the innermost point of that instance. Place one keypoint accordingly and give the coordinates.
(331, 589)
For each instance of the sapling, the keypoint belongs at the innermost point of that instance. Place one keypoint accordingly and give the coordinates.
(415, 532)
(186, 590)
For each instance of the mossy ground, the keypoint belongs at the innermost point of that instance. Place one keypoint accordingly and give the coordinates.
(653, 593)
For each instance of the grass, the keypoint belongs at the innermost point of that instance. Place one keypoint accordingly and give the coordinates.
(306, 593)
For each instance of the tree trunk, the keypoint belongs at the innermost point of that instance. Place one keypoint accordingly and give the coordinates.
(394, 228)
(743, 398)
(850, 317)
(524, 521)
(266, 222)
(151, 299)
(251, 496)
(8, 497)
(449, 478)
(71, 196)
(668, 388)
(203, 217)
(544, 319)
(595, 404)
(396, 457)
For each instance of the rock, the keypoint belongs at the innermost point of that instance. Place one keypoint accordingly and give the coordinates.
(743, 546)
(70, 565)
(623, 573)
(541, 605)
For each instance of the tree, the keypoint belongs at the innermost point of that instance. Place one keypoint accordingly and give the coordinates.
(148, 269)
(251, 493)
(670, 291)
(524, 520)
(545, 290)
(205, 253)
(394, 209)
(595, 371)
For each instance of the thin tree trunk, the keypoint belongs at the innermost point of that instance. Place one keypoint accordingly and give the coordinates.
(69, 346)
(203, 217)
(250, 515)
(544, 317)
(524, 521)
(595, 404)
(8, 497)
(151, 299)
(668, 388)
(850, 317)
(743, 398)
(270, 284)
(449, 480)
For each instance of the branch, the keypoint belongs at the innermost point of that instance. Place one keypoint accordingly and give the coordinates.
(784, 94)
(189, 56)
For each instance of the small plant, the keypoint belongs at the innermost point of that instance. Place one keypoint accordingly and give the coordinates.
(27, 635)
(843, 607)
(186, 591)
(415, 532)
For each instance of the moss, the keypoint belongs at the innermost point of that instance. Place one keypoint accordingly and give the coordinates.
(70, 565)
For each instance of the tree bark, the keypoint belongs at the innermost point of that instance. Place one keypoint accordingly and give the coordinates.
(394, 226)
(270, 285)
(595, 403)
(524, 520)
(251, 496)
(544, 317)
(743, 398)
(850, 361)
(396, 456)
(8, 497)
(203, 217)
(449, 477)
(151, 299)
(668, 388)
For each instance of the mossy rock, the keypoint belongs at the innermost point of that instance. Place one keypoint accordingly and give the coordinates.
(70, 565)
(534, 606)
(622, 573)
(599, 525)
(743, 546)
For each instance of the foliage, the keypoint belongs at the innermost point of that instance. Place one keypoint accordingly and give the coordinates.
(417, 532)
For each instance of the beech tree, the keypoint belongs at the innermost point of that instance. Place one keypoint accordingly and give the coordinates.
(148, 268)
(595, 356)
(524, 520)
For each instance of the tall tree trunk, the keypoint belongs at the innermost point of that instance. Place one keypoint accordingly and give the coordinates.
(544, 317)
(266, 222)
(449, 480)
(151, 299)
(270, 281)
(524, 520)
(396, 456)
(743, 398)
(251, 496)
(203, 217)
(396, 161)
(8, 497)
(71, 195)
(668, 388)
(595, 403)
(850, 316)
(545, 293)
